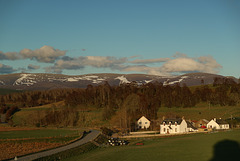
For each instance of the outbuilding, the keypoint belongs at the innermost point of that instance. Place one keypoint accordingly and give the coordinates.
(202, 123)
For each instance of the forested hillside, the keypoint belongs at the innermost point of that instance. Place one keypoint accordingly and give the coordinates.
(127, 100)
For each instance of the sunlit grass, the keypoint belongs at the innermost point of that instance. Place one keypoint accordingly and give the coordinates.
(204, 112)
(39, 133)
(195, 147)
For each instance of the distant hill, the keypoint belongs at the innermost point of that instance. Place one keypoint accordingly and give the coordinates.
(27, 81)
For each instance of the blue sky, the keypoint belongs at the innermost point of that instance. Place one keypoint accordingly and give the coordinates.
(128, 36)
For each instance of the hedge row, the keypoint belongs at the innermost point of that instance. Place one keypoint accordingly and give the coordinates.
(101, 139)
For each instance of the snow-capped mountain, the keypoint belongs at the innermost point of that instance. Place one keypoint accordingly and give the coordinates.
(27, 81)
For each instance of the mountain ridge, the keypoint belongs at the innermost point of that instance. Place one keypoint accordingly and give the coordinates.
(45, 81)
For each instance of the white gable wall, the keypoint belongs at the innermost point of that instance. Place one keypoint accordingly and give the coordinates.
(212, 124)
(183, 126)
(224, 126)
(169, 129)
(173, 128)
(143, 122)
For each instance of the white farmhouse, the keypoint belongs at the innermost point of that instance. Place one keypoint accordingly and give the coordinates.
(143, 123)
(217, 124)
(173, 126)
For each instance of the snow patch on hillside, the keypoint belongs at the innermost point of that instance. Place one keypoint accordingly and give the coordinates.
(167, 82)
(93, 78)
(30, 79)
(72, 79)
(122, 79)
(148, 81)
(199, 77)
(51, 79)
(184, 77)
(26, 79)
(2, 83)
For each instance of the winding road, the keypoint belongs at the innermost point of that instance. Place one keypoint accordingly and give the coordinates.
(89, 137)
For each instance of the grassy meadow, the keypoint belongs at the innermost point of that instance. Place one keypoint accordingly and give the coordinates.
(201, 112)
(194, 147)
(88, 116)
(92, 116)
(40, 136)
(37, 133)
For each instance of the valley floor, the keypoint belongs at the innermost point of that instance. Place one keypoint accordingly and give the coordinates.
(223, 146)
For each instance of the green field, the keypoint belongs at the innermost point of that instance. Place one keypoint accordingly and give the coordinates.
(93, 116)
(201, 112)
(194, 147)
(28, 117)
(41, 133)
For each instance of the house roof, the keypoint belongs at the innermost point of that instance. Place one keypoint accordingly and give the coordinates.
(190, 125)
(144, 117)
(172, 121)
(220, 121)
(203, 120)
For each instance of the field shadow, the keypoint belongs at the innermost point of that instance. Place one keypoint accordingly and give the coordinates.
(226, 150)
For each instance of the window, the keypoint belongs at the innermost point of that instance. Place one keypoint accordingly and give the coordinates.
(140, 123)
(163, 123)
(164, 130)
(175, 129)
(146, 123)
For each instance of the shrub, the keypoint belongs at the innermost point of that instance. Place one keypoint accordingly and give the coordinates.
(106, 131)
(69, 153)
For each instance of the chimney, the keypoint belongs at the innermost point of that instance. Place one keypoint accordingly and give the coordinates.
(163, 118)
(183, 118)
(215, 119)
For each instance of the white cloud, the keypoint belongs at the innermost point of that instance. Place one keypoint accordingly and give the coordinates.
(144, 69)
(80, 62)
(178, 63)
(6, 69)
(181, 65)
(33, 67)
(61, 65)
(180, 55)
(46, 54)
(9, 56)
(147, 61)
(100, 61)
(137, 68)
(202, 64)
